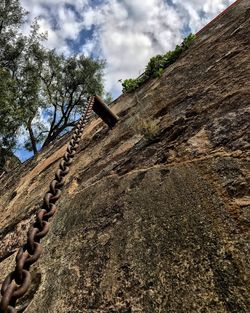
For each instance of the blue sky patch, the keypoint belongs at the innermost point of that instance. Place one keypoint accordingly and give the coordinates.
(84, 35)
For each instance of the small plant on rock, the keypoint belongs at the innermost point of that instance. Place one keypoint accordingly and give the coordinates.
(146, 127)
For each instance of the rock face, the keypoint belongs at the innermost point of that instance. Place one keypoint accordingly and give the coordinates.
(154, 216)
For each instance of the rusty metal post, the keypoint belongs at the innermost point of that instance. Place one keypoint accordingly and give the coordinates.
(104, 112)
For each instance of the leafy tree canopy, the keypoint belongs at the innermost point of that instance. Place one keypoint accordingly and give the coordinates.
(41, 92)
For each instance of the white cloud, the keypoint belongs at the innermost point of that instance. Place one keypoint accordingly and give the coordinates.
(127, 33)
(191, 11)
(57, 19)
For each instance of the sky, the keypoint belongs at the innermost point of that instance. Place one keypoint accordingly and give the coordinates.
(126, 33)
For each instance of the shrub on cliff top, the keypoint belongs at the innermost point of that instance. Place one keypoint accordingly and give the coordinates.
(156, 65)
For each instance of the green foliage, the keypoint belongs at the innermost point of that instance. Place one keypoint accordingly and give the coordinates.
(66, 85)
(130, 84)
(157, 65)
(154, 64)
(35, 80)
(11, 45)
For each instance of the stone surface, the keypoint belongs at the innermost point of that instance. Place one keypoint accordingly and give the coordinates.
(154, 223)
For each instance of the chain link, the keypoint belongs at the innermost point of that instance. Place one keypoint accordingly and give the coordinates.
(17, 283)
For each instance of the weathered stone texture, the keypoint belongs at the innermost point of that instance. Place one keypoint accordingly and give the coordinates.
(153, 218)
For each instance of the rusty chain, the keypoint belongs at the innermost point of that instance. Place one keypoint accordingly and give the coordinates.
(17, 283)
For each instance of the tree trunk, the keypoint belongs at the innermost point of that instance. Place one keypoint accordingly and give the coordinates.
(56, 132)
(32, 137)
(51, 137)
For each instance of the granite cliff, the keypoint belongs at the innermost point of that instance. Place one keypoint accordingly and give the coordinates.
(155, 213)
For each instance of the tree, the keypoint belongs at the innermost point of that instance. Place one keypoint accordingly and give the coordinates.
(21, 64)
(37, 84)
(11, 44)
(66, 85)
(12, 16)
